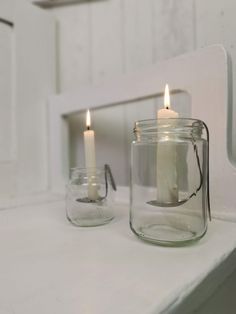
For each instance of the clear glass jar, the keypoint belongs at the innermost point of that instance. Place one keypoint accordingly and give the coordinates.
(89, 198)
(169, 181)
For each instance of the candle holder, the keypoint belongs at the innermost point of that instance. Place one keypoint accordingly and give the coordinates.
(89, 199)
(170, 181)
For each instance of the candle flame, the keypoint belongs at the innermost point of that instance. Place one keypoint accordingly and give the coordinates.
(88, 119)
(167, 97)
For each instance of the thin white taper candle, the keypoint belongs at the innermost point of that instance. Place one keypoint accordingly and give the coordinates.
(90, 158)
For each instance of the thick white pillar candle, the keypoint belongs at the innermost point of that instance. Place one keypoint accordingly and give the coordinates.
(90, 159)
(167, 187)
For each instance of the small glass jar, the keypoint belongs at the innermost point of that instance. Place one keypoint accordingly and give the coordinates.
(89, 198)
(169, 181)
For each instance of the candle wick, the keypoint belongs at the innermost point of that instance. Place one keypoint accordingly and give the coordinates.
(167, 107)
(88, 127)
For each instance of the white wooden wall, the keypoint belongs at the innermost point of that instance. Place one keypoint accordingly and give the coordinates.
(100, 39)
(7, 141)
(27, 77)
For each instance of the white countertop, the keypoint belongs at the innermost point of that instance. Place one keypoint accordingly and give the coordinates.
(48, 266)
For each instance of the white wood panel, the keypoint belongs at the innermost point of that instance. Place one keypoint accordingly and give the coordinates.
(173, 23)
(123, 38)
(26, 80)
(107, 54)
(209, 21)
(137, 28)
(7, 105)
(74, 46)
(7, 9)
(8, 170)
(35, 77)
(6, 92)
(138, 53)
(215, 23)
(93, 54)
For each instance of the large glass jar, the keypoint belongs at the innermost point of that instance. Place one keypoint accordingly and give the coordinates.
(169, 181)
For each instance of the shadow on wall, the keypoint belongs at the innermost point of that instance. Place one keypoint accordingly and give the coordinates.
(60, 3)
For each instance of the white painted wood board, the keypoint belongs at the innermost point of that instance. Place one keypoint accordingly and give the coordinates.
(49, 266)
(6, 92)
(156, 29)
(7, 10)
(138, 33)
(215, 23)
(29, 76)
(73, 46)
(99, 40)
(137, 41)
(173, 28)
(35, 80)
(7, 110)
(138, 45)
(106, 48)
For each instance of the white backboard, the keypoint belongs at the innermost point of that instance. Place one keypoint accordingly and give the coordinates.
(27, 43)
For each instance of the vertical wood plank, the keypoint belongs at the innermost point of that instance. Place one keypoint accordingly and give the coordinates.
(7, 105)
(137, 34)
(74, 46)
(6, 92)
(174, 32)
(7, 9)
(138, 53)
(210, 21)
(35, 79)
(106, 20)
(215, 22)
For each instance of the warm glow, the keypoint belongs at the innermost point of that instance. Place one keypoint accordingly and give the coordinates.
(167, 97)
(88, 119)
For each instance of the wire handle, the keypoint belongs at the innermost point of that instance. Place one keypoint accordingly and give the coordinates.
(180, 202)
(109, 173)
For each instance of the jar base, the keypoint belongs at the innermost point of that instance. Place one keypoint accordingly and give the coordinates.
(166, 235)
(89, 222)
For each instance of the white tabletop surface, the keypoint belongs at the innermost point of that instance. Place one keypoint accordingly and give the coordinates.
(48, 266)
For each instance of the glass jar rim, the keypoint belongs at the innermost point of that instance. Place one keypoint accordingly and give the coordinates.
(87, 169)
(178, 121)
(170, 125)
